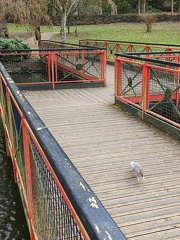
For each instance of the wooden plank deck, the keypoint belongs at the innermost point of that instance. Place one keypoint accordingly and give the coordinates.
(101, 140)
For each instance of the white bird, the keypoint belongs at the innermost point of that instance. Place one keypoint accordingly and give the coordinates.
(137, 169)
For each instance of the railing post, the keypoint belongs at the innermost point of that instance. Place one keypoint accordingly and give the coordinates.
(106, 46)
(118, 76)
(49, 67)
(147, 49)
(8, 154)
(117, 47)
(28, 173)
(145, 87)
(4, 118)
(130, 47)
(168, 50)
(103, 61)
(52, 69)
(82, 60)
(9, 123)
(177, 81)
(87, 43)
(11, 133)
(56, 66)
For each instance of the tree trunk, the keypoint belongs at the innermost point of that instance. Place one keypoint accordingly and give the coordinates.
(113, 7)
(4, 29)
(172, 7)
(38, 35)
(99, 7)
(149, 27)
(143, 6)
(63, 26)
(54, 10)
(139, 7)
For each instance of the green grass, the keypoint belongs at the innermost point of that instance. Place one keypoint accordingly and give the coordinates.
(135, 32)
(23, 31)
(13, 28)
(161, 33)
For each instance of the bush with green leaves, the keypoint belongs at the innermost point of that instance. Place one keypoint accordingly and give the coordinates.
(125, 7)
(9, 46)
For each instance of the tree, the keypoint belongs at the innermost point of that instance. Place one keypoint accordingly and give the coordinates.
(141, 6)
(28, 12)
(112, 6)
(89, 8)
(178, 2)
(149, 19)
(66, 7)
(172, 6)
(63, 8)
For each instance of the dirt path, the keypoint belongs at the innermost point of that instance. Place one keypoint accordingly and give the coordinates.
(44, 36)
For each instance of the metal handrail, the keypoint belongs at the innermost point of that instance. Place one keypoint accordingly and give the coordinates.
(56, 198)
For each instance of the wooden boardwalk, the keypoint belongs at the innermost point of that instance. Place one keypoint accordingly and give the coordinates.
(101, 140)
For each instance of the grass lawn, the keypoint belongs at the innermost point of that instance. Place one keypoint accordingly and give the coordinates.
(165, 32)
(161, 33)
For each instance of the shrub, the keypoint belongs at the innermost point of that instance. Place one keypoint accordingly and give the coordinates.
(15, 44)
(125, 7)
(149, 19)
(6, 45)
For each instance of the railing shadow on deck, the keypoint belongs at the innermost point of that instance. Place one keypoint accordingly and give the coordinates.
(57, 201)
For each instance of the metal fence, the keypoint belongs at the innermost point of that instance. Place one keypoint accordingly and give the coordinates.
(89, 62)
(58, 203)
(113, 47)
(150, 85)
(56, 68)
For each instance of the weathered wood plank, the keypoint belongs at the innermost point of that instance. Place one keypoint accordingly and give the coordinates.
(101, 140)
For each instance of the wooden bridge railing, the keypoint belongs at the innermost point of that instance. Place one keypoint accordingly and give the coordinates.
(58, 203)
(150, 87)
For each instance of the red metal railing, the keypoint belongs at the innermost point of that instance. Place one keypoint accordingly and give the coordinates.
(39, 186)
(149, 84)
(56, 199)
(57, 67)
(113, 47)
(87, 63)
